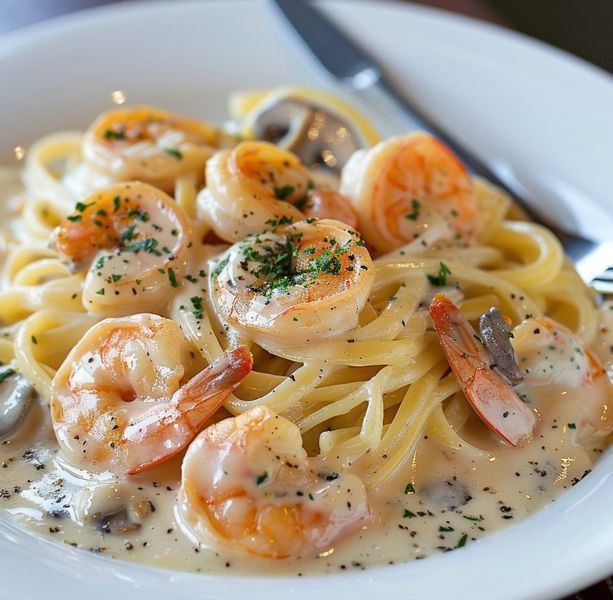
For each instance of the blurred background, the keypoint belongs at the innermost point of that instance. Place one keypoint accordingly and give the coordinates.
(582, 27)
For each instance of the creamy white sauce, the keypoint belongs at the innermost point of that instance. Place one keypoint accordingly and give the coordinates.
(452, 500)
(439, 501)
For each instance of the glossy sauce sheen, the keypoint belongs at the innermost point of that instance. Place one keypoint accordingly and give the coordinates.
(438, 502)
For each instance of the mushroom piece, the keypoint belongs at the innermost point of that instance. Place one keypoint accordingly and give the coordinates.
(113, 507)
(16, 395)
(448, 494)
(317, 137)
(495, 335)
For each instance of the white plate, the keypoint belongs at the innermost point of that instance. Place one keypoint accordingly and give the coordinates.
(542, 114)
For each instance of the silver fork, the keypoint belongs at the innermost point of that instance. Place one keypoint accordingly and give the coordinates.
(343, 59)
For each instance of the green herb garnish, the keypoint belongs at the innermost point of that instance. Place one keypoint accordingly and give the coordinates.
(414, 214)
(111, 134)
(441, 278)
(284, 192)
(174, 152)
(172, 277)
(5, 374)
(197, 306)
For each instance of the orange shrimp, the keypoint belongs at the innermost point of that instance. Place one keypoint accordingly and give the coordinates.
(132, 239)
(257, 183)
(304, 282)
(151, 145)
(550, 354)
(120, 402)
(492, 398)
(248, 487)
(329, 204)
(405, 185)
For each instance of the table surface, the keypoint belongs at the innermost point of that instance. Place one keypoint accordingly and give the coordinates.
(15, 14)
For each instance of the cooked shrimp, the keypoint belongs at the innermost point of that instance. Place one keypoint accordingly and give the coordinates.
(299, 283)
(549, 354)
(150, 144)
(248, 487)
(405, 185)
(256, 183)
(329, 204)
(121, 401)
(133, 241)
(491, 397)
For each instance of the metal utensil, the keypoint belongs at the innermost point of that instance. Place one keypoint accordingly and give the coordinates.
(346, 61)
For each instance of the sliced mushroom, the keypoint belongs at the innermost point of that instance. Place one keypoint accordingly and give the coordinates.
(16, 395)
(448, 494)
(114, 507)
(495, 336)
(317, 137)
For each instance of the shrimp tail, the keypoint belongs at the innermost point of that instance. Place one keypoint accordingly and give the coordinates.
(491, 397)
(204, 393)
(191, 407)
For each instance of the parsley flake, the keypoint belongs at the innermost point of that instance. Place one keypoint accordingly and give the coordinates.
(441, 278)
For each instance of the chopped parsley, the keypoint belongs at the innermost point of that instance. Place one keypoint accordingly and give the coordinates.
(445, 529)
(116, 203)
(74, 218)
(172, 277)
(129, 234)
(462, 541)
(142, 216)
(197, 306)
(148, 245)
(284, 192)
(409, 489)
(408, 514)
(572, 426)
(100, 292)
(116, 277)
(221, 265)
(111, 134)
(300, 204)
(80, 207)
(471, 518)
(416, 208)
(441, 278)
(276, 223)
(261, 478)
(174, 152)
(5, 374)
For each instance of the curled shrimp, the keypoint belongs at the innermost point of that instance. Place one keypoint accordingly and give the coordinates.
(405, 185)
(295, 284)
(491, 397)
(550, 354)
(326, 203)
(132, 239)
(121, 402)
(248, 487)
(150, 144)
(257, 182)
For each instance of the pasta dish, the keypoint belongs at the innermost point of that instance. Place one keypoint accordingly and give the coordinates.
(283, 344)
